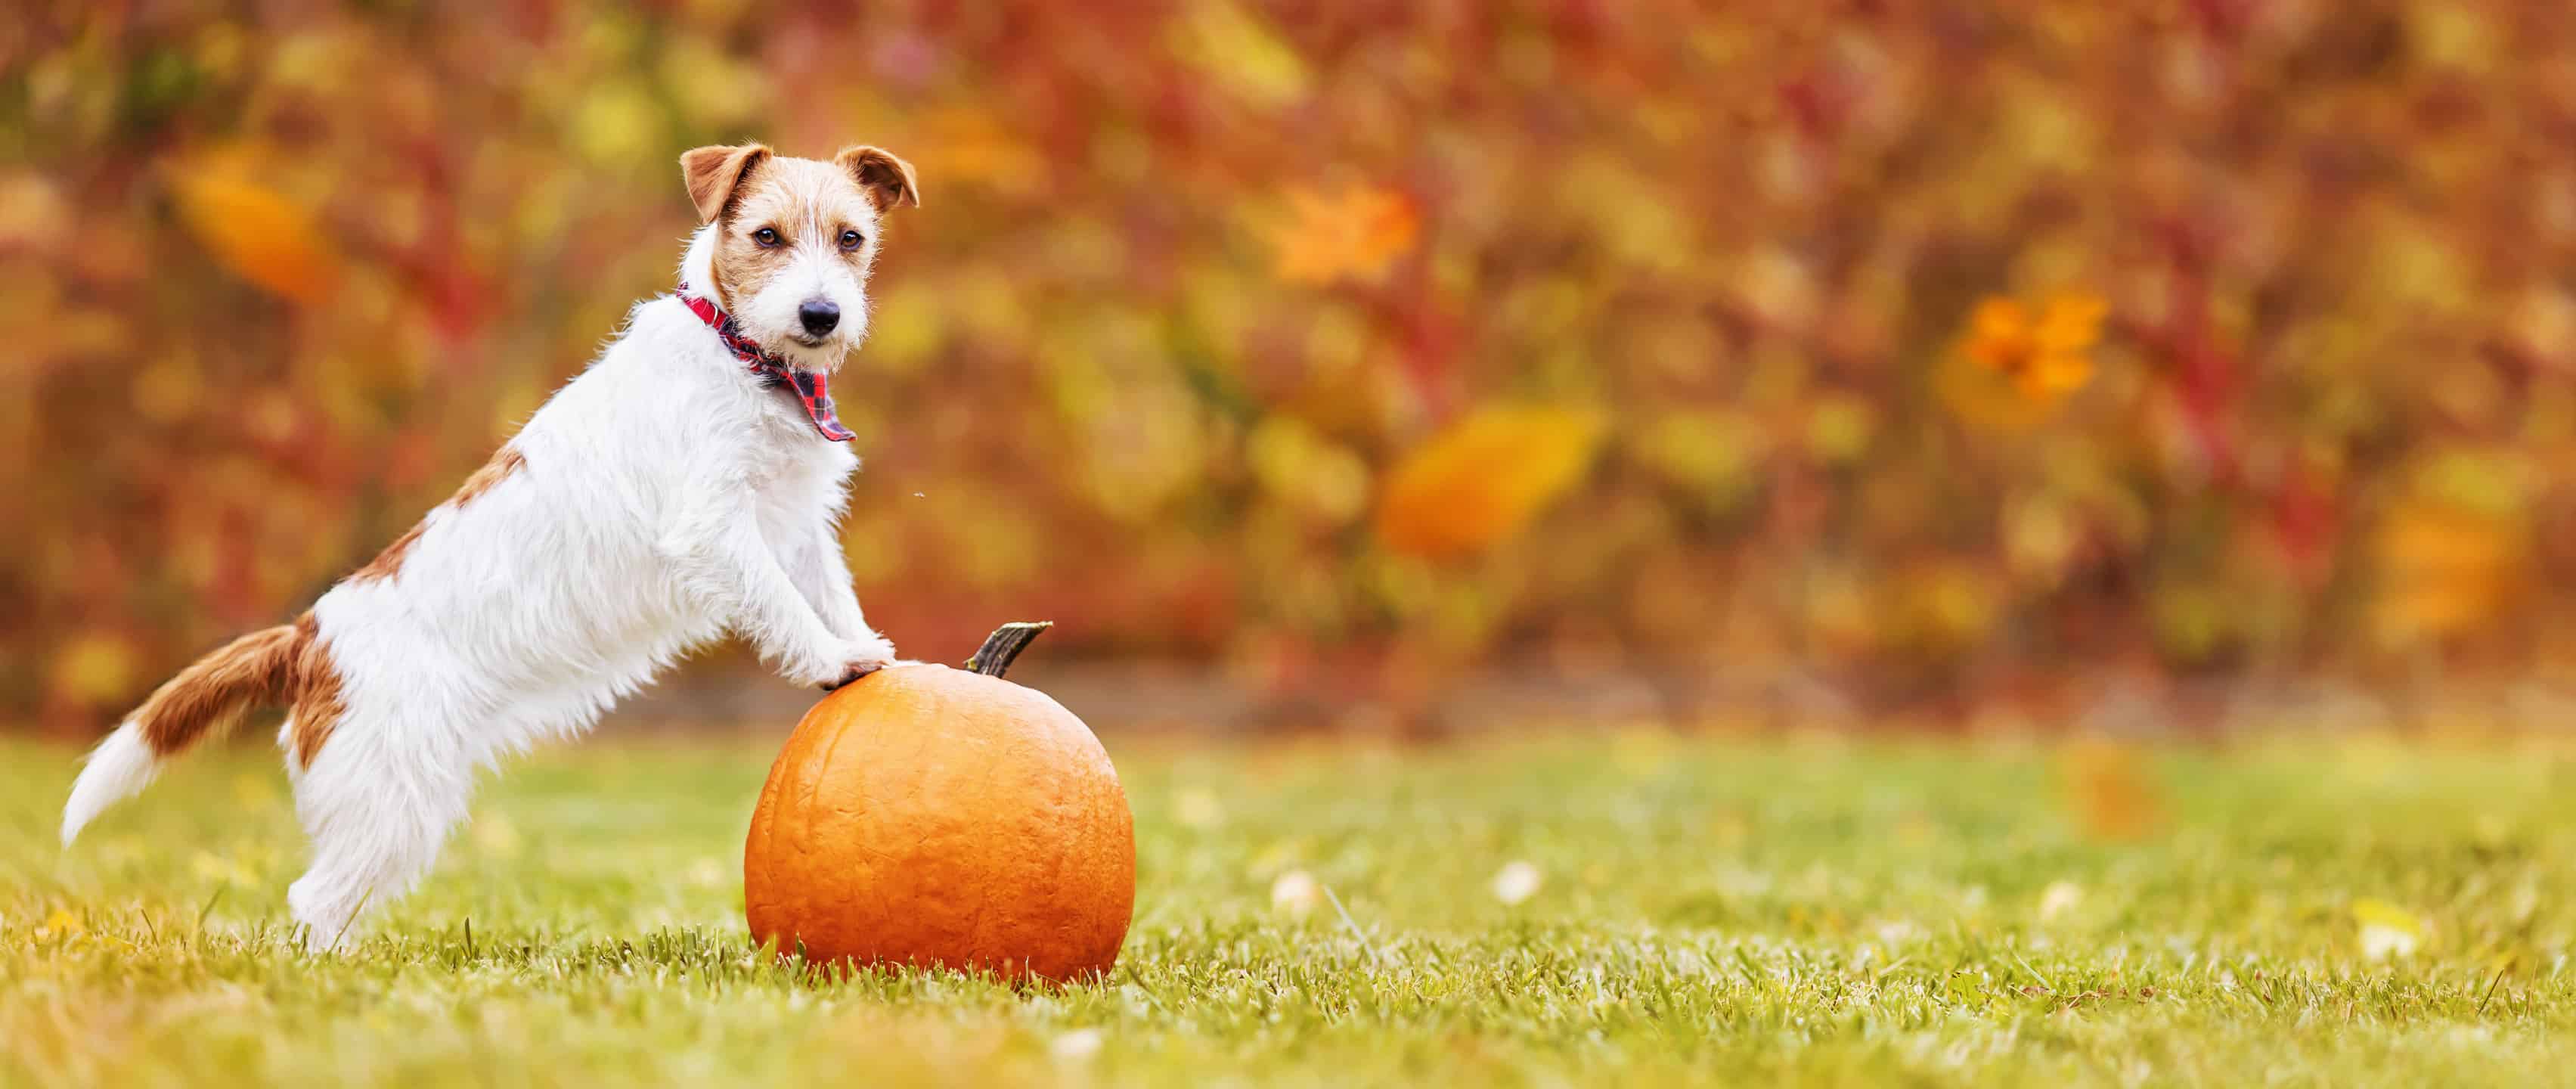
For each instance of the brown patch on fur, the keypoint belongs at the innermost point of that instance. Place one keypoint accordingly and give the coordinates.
(887, 179)
(715, 172)
(286, 664)
(505, 461)
(318, 704)
(389, 562)
(259, 668)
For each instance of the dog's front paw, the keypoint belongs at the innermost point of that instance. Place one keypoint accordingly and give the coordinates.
(860, 659)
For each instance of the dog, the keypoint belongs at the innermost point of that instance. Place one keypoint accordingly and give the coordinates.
(689, 482)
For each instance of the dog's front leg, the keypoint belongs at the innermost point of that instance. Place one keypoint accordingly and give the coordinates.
(714, 544)
(814, 562)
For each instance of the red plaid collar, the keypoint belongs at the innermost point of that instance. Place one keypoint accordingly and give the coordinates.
(811, 386)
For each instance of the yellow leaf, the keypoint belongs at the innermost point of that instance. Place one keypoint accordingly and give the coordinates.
(1714, 451)
(94, 667)
(1239, 52)
(255, 231)
(1940, 608)
(1320, 477)
(1484, 478)
(617, 122)
(1839, 429)
(715, 88)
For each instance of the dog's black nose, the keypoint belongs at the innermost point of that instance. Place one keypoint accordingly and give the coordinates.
(820, 316)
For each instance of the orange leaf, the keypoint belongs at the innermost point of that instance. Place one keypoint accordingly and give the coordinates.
(1356, 235)
(1996, 331)
(1484, 478)
(255, 231)
(2071, 323)
(2446, 570)
(2043, 358)
(2051, 375)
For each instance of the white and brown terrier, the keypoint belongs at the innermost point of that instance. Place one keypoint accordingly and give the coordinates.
(685, 485)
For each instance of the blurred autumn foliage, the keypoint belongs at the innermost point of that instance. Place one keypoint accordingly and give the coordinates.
(1928, 349)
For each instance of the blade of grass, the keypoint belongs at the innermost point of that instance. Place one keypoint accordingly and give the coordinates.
(1353, 924)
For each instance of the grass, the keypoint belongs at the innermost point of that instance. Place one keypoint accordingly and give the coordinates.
(1711, 912)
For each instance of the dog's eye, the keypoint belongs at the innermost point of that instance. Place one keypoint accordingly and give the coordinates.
(766, 236)
(850, 240)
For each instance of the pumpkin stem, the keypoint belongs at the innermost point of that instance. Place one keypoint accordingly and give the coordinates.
(1005, 645)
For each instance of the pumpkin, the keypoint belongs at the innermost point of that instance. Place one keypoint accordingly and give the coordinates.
(941, 817)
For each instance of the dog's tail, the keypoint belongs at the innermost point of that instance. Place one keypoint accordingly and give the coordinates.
(256, 669)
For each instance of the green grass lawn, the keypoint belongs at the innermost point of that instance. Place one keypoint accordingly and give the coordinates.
(1707, 912)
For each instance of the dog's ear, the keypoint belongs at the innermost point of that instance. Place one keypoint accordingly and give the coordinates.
(887, 179)
(715, 171)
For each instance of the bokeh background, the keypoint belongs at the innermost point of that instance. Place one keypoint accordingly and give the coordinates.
(1385, 366)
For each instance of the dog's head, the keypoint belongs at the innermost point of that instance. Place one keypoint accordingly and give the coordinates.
(792, 240)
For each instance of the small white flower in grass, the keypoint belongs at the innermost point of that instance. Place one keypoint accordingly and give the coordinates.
(2057, 899)
(2386, 929)
(1516, 882)
(1295, 893)
(1076, 1046)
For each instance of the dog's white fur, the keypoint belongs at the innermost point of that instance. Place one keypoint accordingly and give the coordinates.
(663, 497)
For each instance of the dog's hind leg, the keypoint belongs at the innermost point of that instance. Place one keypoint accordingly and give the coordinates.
(377, 813)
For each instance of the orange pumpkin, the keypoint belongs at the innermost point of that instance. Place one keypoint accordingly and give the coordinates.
(942, 817)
